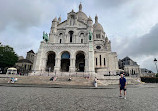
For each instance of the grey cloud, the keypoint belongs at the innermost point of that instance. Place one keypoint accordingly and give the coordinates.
(20, 14)
(110, 3)
(145, 45)
(143, 49)
(22, 22)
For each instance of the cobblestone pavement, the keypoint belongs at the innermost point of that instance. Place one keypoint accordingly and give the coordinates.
(139, 98)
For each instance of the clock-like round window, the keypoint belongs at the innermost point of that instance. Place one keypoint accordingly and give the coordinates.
(98, 47)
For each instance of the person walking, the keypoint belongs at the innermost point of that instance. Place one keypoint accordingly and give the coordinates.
(122, 84)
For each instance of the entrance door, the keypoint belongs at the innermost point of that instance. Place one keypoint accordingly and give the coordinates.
(65, 62)
(81, 67)
(80, 62)
(50, 61)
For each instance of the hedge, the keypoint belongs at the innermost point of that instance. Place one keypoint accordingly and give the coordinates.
(149, 79)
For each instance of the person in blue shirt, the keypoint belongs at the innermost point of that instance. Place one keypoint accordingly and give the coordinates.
(122, 83)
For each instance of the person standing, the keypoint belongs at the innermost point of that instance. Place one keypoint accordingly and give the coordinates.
(95, 82)
(122, 83)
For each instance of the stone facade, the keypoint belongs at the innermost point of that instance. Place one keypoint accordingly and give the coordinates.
(129, 66)
(146, 73)
(25, 65)
(76, 45)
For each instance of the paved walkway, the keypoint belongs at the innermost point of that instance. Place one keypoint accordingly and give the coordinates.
(139, 98)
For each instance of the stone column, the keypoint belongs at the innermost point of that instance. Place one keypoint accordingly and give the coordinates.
(72, 65)
(44, 60)
(66, 38)
(86, 65)
(42, 66)
(129, 71)
(91, 58)
(76, 39)
(57, 64)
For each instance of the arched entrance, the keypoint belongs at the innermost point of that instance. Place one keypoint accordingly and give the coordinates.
(80, 61)
(65, 62)
(50, 61)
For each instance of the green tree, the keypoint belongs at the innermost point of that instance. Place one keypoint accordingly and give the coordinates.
(8, 57)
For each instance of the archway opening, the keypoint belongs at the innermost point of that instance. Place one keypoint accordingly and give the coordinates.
(50, 61)
(80, 62)
(65, 62)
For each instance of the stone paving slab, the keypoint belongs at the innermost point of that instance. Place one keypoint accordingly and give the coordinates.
(139, 98)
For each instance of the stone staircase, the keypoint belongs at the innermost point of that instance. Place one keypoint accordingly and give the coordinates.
(45, 80)
(108, 80)
(81, 81)
(63, 80)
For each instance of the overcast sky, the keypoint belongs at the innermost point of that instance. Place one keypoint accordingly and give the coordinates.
(131, 25)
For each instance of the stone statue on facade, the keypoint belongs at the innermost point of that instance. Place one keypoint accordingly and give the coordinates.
(90, 35)
(45, 36)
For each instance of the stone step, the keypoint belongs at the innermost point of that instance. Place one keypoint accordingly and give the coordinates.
(64, 80)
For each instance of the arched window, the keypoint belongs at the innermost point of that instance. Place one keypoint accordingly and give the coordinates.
(96, 62)
(60, 35)
(100, 59)
(98, 36)
(60, 40)
(104, 61)
(82, 34)
(65, 55)
(71, 35)
(25, 66)
(81, 40)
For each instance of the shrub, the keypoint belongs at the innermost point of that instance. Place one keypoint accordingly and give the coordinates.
(149, 79)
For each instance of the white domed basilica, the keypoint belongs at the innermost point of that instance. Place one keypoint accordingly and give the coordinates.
(76, 46)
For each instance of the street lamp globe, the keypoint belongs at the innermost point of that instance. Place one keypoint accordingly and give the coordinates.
(155, 60)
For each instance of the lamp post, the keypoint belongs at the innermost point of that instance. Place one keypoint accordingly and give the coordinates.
(155, 60)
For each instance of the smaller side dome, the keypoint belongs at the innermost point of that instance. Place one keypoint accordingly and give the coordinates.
(97, 26)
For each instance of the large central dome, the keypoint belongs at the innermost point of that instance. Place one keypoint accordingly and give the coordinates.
(97, 26)
(81, 15)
